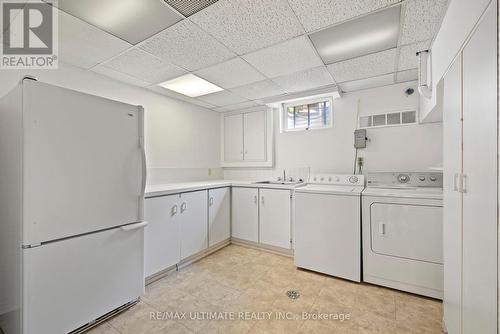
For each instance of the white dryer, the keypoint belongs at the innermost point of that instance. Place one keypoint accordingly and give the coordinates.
(402, 216)
(327, 226)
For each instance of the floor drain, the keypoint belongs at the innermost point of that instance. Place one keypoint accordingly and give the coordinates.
(293, 294)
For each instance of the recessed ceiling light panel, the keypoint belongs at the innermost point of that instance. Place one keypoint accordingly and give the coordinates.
(189, 7)
(368, 34)
(190, 85)
(130, 20)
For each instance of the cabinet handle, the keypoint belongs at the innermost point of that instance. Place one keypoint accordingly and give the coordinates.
(463, 183)
(262, 199)
(211, 201)
(173, 210)
(381, 228)
(183, 207)
(455, 182)
(255, 199)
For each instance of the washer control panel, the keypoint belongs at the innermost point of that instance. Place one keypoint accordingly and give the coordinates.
(337, 179)
(405, 179)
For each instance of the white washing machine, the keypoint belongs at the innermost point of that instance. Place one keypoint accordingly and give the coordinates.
(327, 225)
(402, 216)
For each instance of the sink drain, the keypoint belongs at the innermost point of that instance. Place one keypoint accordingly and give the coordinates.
(293, 294)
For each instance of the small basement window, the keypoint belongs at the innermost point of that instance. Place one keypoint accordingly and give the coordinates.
(306, 115)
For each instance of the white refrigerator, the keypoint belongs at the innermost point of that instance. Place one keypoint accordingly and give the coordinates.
(72, 179)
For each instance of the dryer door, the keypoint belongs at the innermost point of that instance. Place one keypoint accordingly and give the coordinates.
(407, 231)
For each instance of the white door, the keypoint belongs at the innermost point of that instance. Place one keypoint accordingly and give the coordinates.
(452, 200)
(233, 138)
(71, 282)
(193, 222)
(82, 163)
(480, 200)
(245, 213)
(275, 223)
(161, 237)
(254, 136)
(219, 220)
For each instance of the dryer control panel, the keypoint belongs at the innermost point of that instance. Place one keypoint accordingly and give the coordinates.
(405, 179)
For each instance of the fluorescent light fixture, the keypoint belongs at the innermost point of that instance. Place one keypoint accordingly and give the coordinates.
(130, 20)
(368, 34)
(191, 85)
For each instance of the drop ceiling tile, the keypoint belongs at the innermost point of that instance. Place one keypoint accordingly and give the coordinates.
(83, 45)
(240, 106)
(222, 98)
(363, 67)
(232, 73)
(319, 14)
(188, 7)
(144, 66)
(285, 58)
(187, 46)
(408, 75)
(378, 81)
(304, 80)
(422, 19)
(258, 90)
(120, 76)
(130, 20)
(245, 26)
(407, 55)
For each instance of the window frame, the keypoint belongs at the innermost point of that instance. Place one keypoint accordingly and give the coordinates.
(286, 105)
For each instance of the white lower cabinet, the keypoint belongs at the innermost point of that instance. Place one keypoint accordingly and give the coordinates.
(274, 217)
(193, 223)
(219, 219)
(245, 213)
(177, 229)
(161, 236)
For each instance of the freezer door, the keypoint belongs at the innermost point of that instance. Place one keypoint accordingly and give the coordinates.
(69, 283)
(83, 163)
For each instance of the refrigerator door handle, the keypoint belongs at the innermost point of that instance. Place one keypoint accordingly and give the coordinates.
(143, 150)
(133, 227)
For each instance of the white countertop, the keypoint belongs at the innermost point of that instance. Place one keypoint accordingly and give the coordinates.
(175, 188)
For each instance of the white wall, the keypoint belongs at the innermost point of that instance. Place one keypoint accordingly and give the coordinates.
(405, 148)
(182, 140)
(458, 23)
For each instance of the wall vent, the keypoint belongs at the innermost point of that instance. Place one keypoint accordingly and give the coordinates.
(388, 119)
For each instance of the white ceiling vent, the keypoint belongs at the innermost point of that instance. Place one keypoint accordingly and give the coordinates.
(389, 119)
(189, 7)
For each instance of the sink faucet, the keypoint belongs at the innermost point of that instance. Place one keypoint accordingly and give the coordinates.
(284, 174)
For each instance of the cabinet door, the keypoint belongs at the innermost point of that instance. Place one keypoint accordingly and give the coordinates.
(275, 217)
(233, 138)
(193, 223)
(245, 213)
(480, 200)
(161, 235)
(452, 205)
(254, 125)
(219, 221)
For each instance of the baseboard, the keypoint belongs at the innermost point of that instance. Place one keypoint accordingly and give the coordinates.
(270, 249)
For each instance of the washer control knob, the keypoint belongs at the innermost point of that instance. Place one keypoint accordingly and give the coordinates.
(315, 178)
(403, 178)
(329, 179)
(433, 178)
(353, 179)
(322, 179)
(421, 178)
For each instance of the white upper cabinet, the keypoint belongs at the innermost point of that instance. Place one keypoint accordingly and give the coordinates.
(254, 136)
(233, 139)
(247, 139)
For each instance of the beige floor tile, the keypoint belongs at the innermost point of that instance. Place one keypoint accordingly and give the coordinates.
(137, 320)
(368, 322)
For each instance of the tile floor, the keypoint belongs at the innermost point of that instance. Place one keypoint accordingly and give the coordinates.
(239, 279)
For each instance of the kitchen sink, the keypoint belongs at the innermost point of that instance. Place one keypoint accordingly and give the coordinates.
(284, 183)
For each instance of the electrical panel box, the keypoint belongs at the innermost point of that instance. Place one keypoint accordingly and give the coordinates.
(360, 138)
